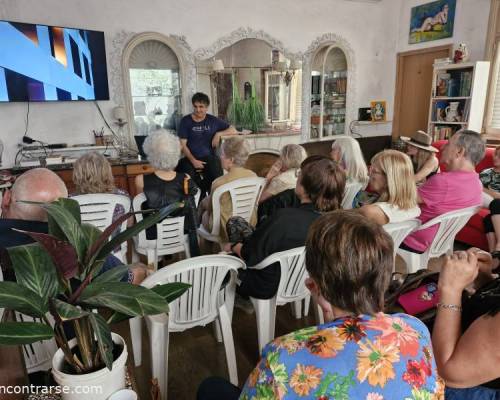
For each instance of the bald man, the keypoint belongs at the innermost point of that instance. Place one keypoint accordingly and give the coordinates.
(40, 185)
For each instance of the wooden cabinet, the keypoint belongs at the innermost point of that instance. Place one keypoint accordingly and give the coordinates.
(124, 176)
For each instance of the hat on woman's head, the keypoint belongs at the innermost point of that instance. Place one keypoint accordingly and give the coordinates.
(421, 140)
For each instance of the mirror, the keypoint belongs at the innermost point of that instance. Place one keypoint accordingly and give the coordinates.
(262, 79)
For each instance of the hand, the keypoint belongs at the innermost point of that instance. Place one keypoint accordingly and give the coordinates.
(197, 164)
(459, 270)
(484, 260)
(216, 140)
(275, 170)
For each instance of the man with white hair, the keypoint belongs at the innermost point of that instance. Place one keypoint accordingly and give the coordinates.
(38, 185)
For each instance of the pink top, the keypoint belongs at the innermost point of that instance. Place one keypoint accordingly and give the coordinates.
(444, 192)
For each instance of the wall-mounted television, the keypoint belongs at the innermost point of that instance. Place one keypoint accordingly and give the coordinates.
(51, 63)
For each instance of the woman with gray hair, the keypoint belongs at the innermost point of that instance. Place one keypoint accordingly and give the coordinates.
(164, 186)
(283, 174)
(234, 155)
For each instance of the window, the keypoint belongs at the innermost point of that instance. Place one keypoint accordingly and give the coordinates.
(492, 115)
(277, 98)
(153, 84)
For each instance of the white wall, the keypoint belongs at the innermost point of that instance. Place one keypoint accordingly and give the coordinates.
(471, 24)
(373, 30)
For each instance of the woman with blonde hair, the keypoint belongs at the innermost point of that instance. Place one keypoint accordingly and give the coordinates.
(392, 178)
(234, 154)
(92, 174)
(347, 153)
(283, 174)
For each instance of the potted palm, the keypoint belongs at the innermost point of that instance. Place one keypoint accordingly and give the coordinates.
(58, 283)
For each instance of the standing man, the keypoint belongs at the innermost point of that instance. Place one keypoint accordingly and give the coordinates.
(200, 135)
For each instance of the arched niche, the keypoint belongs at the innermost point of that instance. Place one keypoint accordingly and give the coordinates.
(155, 71)
(249, 55)
(335, 51)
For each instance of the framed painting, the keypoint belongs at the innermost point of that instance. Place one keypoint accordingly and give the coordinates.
(378, 110)
(432, 21)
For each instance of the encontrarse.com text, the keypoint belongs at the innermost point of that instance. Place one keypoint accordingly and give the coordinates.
(32, 389)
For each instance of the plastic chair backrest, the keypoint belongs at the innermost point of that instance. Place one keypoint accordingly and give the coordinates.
(244, 192)
(170, 238)
(450, 224)
(351, 190)
(400, 230)
(293, 274)
(97, 209)
(199, 305)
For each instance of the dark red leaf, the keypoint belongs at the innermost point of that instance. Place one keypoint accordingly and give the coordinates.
(62, 253)
(101, 240)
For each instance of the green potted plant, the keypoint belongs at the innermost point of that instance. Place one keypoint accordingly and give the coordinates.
(236, 106)
(253, 116)
(58, 282)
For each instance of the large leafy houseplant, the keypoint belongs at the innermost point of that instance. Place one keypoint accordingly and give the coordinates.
(254, 115)
(59, 275)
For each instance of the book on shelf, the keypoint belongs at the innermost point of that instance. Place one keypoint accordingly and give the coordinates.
(443, 132)
(442, 83)
(465, 83)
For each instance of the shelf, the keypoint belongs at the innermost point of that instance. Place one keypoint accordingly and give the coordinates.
(469, 65)
(450, 98)
(448, 123)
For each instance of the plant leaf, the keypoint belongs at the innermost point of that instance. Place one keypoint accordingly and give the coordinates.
(91, 233)
(73, 207)
(171, 291)
(35, 271)
(103, 338)
(104, 236)
(134, 230)
(16, 297)
(68, 224)
(125, 298)
(67, 311)
(62, 253)
(16, 333)
(113, 275)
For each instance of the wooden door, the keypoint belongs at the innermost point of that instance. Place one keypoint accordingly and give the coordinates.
(413, 89)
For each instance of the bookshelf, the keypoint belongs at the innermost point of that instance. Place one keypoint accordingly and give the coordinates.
(458, 98)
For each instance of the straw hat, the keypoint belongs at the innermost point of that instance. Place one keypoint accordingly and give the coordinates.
(421, 140)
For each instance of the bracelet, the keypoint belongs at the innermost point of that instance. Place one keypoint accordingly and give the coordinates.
(452, 307)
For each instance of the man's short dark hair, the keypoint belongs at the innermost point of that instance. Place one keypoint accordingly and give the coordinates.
(200, 98)
(351, 259)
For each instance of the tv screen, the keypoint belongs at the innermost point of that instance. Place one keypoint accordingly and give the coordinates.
(51, 63)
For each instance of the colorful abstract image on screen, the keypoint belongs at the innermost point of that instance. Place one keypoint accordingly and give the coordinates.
(49, 63)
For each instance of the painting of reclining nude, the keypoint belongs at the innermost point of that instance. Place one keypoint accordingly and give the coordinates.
(432, 21)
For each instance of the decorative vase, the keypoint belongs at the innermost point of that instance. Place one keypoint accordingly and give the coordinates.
(98, 385)
(452, 112)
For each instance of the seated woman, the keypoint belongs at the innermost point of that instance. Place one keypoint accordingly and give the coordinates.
(164, 186)
(359, 352)
(466, 342)
(320, 188)
(234, 155)
(92, 174)
(348, 155)
(391, 177)
(283, 174)
(422, 155)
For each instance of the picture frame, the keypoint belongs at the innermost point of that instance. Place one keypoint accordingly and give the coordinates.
(432, 21)
(378, 110)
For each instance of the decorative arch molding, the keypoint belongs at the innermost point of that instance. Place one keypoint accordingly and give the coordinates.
(122, 46)
(205, 53)
(328, 39)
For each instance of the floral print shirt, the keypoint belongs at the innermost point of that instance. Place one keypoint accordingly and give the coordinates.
(366, 357)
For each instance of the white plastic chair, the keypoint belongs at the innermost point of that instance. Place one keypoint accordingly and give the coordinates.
(170, 237)
(244, 194)
(97, 209)
(450, 224)
(351, 190)
(399, 231)
(199, 306)
(292, 288)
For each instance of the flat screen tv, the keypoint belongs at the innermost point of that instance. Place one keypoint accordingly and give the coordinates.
(51, 63)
